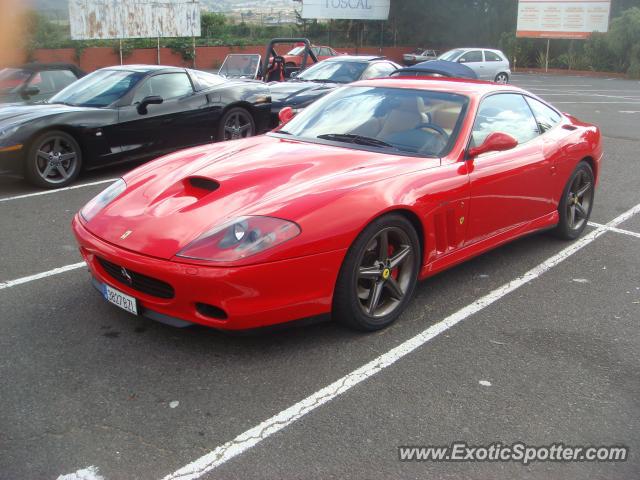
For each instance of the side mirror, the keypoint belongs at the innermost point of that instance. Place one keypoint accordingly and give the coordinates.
(462, 60)
(293, 74)
(146, 101)
(495, 142)
(285, 115)
(29, 91)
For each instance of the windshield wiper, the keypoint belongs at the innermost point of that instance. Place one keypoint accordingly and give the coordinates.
(352, 138)
(319, 80)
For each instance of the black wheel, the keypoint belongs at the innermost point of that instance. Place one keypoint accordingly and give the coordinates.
(53, 160)
(502, 78)
(379, 274)
(236, 123)
(576, 203)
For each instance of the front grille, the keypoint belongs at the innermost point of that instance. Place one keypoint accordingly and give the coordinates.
(140, 282)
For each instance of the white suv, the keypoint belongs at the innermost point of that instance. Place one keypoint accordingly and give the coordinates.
(488, 64)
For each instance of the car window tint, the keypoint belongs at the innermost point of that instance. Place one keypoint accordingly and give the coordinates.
(166, 85)
(506, 113)
(491, 56)
(51, 81)
(546, 117)
(472, 56)
(378, 70)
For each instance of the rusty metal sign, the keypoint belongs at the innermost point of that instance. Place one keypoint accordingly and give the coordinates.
(113, 19)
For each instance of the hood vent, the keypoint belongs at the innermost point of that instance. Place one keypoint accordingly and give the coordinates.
(204, 183)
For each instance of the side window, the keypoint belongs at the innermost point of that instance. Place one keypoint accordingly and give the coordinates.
(325, 52)
(378, 70)
(491, 56)
(546, 117)
(506, 113)
(315, 50)
(166, 85)
(472, 56)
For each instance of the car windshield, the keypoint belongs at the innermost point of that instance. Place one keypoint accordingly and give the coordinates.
(296, 51)
(397, 120)
(338, 72)
(12, 79)
(98, 89)
(239, 66)
(450, 55)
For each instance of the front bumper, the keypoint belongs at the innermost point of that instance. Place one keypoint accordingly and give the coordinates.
(252, 296)
(11, 160)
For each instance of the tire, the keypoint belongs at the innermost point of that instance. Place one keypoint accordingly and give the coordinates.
(53, 160)
(236, 123)
(502, 78)
(366, 270)
(576, 203)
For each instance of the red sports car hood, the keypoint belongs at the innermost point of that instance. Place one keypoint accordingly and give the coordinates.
(170, 202)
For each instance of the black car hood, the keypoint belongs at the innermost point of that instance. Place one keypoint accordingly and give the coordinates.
(12, 114)
(292, 94)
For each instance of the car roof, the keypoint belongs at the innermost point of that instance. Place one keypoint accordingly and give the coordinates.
(470, 88)
(37, 66)
(145, 68)
(355, 58)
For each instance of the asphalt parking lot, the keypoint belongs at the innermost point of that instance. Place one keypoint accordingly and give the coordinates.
(550, 328)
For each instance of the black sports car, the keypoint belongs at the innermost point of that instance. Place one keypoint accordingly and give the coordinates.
(127, 113)
(36, 82)
(324, 77)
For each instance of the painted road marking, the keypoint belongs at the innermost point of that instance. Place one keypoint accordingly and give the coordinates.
(38, 276)
(616, 230)
(255, 435)
(47, 192)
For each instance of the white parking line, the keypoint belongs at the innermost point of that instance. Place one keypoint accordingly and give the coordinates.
(38, 276)
(255, 435)
(616, 230)
(47, 192)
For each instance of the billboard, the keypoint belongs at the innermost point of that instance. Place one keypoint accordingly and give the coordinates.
(346, 9)
(109, 19)
(564, 19)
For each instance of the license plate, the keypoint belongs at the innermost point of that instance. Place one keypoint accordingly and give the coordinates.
(122, 300)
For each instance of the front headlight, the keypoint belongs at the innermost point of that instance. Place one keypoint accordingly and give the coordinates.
(240, 238)
(103, 199)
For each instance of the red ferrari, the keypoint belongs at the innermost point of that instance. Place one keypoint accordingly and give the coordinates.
(343, 208)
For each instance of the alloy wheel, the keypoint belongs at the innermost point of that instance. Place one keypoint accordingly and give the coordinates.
(56, 160)
(579, 199)
(385, 272)
(238, 125)
(502, 78)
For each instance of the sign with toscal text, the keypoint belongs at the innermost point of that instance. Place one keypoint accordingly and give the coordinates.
(346, 9)
(564, 19)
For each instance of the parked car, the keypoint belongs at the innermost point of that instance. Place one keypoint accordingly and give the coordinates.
(36, 82)
(419, 55)
(324, 77)
(436, 68)
(121, 114)
(343, 209)
(491, 65)
(294, 56)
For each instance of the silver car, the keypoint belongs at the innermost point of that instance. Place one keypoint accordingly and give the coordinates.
(491, 65)
(418, 56)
